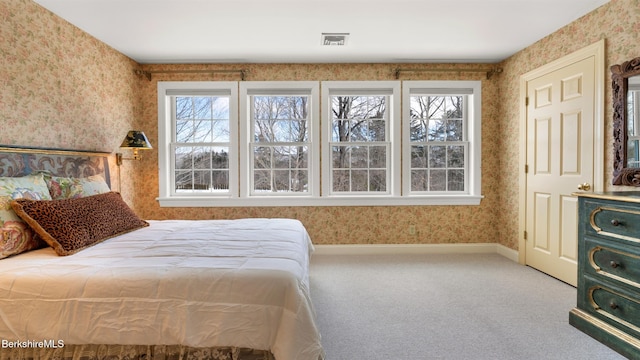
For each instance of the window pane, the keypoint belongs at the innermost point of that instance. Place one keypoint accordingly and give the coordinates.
(341, 180)
(202, 131)
(341, 157)
(455, 156)
(300, 157)
(358, 130)
(184, 131)
(455, 180)
(201, 158)
(340, 130)
(220, 131)
(437, 118)
(359, 180)
(195, 168)
(262, 157)
(436, 131)
(220, 158)
(201, 179)
(359, 157)
(377, 130)
(280, 118)
(419, 180)
(202, 107)
(220, 108)
(262, 180)
(378, 157)
(219, 180)
(455, 130)
(184, 158)
(281, 157)
(359, 118)
(201, 119)
(280, 169)
(184, 180)
(281, 180)
(437, 156)
(300, 180)
(418, 130)
(418, 157)
(438, 180)
(184, 108)
(378, 180)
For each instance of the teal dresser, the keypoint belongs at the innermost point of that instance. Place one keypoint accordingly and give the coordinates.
(608, 306)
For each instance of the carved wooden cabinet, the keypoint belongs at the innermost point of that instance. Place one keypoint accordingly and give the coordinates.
(608, 306)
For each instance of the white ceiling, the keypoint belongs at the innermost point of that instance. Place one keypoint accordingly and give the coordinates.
(289, 31)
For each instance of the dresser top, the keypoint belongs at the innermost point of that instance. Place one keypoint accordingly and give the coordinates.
(629, 196)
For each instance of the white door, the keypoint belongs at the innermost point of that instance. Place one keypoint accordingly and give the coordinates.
(560, 159)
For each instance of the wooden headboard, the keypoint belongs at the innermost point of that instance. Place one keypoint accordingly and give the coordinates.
(20, 161)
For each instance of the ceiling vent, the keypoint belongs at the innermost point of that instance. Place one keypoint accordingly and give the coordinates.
(339, 39)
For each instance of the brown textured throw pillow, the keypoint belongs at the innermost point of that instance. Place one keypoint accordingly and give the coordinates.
(71, 225)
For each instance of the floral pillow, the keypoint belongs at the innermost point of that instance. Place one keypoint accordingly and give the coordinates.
(15, 235)
(73, 188)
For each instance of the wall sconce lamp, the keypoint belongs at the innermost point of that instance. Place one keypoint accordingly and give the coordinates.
(135, 140)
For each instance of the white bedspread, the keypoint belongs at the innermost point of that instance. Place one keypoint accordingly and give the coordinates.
(242, 283)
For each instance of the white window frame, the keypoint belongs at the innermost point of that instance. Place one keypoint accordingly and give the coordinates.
(319, 193)
(473, 126)
(249, 88)
(393, 126)
(166, 139)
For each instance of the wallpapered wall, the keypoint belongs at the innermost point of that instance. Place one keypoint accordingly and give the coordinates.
(63, 88)
(60, 87)
(331, 225)
(618, 22)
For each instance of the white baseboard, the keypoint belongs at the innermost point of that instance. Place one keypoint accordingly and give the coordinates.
(400, 249)
(507, 252)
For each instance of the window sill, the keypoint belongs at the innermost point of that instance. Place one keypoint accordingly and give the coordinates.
(212, 201)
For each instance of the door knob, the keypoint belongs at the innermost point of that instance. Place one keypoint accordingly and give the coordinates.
(584, 187)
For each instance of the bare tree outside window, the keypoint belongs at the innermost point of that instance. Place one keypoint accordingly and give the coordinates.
(280, 144)
(359, 144)
(202, 143)
(319, 143)
(438, 143)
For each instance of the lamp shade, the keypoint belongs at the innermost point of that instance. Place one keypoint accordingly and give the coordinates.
(136, 139)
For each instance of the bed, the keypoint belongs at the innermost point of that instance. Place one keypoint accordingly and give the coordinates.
(171, 289)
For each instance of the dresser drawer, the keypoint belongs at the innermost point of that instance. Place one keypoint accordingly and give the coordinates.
(613, 262)
(614, 220)
(614, 306)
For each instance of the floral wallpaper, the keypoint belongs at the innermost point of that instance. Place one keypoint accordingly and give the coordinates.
(618, 23)
(344, 225)
(60, 87)
(63, 88)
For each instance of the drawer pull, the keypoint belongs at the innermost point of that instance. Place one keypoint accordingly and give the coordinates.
(613, 305)
(614, 264)
(615, 222)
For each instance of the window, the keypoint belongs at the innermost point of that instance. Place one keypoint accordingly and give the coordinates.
(442, 138)
(361, 124)
(198, 138)
(201, 147)
(279, 139)
(259, 143)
